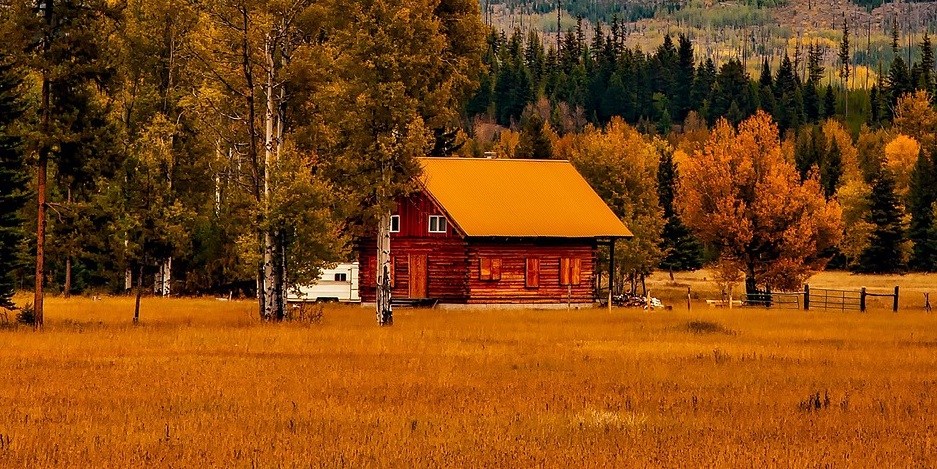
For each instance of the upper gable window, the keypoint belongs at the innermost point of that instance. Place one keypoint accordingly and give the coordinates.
(395, 223)
(437, 224)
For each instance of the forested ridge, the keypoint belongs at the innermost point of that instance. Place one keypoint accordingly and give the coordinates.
(235, 147)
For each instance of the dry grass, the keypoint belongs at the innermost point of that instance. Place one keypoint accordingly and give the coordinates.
(199, 383)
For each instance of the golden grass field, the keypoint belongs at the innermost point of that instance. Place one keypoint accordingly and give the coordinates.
(200, 383)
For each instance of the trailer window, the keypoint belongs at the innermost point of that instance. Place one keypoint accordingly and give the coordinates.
(342, 277)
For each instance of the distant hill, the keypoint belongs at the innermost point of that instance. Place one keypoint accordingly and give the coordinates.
(800, 15)
(751, 30)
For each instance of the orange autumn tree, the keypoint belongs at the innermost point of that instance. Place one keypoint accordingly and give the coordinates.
(740, 196)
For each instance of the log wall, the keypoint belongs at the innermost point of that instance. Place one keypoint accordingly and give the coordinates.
(512, 287)
(446, 268)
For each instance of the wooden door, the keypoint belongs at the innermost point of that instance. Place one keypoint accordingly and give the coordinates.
(418, 277)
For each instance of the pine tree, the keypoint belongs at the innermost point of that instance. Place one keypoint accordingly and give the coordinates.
(14, 178)
(831, 169)
(686, 73)
(732, 96)
(788, 97)
(814, 64)
(68, 52)
(899, 77)
(703, 88)
(810, 150)
(829, 103)
(811, 102)
(682, 250)
(927, 64)
(766, 99)
(883, 255)
(765, 80)
(922, 231)
(534, 142)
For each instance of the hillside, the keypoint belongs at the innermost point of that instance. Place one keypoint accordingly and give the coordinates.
(751, 30)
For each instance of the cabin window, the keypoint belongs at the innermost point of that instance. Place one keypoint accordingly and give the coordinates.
(489, 269)
(570, 271)
(532, 273)
(395, 223)
(437, 224)
(341, 277)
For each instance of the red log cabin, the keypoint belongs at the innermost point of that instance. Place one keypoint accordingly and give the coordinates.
(491, 231)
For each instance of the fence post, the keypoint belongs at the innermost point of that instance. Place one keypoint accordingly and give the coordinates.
(806, 297)
(894, 307)
(687, 298)
(862, 300)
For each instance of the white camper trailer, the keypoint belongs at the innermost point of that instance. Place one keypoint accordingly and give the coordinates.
(336, 284)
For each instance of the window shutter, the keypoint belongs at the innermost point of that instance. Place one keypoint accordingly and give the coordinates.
(533, 273)
(484, 268)
(575, 276)
(564, 271)
(496, 269)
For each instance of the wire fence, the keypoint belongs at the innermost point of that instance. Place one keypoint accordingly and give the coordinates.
(827, 299)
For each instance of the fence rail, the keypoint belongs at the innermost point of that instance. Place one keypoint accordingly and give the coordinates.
(821, 298)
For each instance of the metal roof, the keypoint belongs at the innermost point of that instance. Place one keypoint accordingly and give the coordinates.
(519, 198)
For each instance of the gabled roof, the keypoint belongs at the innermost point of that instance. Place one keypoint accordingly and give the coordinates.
(519, 198)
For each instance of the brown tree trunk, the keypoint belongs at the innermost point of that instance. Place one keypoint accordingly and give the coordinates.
(40, 237)
(68, 260)
(255, 167)
(43, 171)
(67, 291)
(136, 307)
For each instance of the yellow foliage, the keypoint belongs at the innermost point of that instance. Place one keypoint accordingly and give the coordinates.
(853, 195)
(901, 154)
(507, 143)
(916, 118)
(621, 165)
(870, 149)
(693, 136)
(833, 130)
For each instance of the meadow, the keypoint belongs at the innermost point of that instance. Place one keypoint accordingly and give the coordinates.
(201, 383)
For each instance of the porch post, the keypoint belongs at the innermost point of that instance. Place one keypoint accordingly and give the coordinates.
(611, 271)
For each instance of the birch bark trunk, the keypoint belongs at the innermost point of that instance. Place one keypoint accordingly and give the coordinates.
(272, 278)
(385, 315)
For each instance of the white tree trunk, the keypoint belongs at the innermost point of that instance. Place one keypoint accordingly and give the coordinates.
(271, 273)
(166, 277)
(384, 311)
(128, 274)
